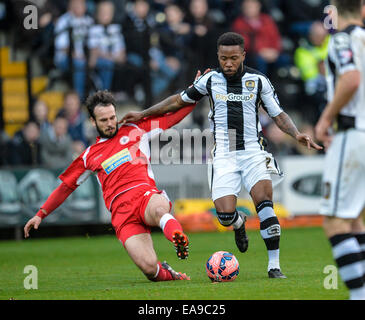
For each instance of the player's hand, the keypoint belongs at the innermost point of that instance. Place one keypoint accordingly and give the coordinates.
(198, 74)
(322, 130)
(307, 141)
(132, 116)
(32, 223)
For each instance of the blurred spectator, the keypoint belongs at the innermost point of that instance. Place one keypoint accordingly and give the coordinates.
(205, 32)
(56, 151)
(300, 14)
(309, 58)
(167, 60)
(75, 116)
(119, 10)
(202, 52)
(40, 115)
(106, 44)
(224, 12)
(24, 148)
(137, 29)
(363, 12)
(78, 147)
(262, 38)
(42, 44)
(71, 33)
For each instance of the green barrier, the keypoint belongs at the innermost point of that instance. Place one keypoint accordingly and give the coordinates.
(23, 191)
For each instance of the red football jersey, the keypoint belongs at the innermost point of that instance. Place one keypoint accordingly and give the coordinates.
(122, 162)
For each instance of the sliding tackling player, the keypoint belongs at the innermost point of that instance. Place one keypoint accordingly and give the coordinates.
(121, 160)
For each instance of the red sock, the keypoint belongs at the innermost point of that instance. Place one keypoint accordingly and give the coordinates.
(163, 274)
(171, 226)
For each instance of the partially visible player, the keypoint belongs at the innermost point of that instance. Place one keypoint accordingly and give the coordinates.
(343, 200)
(121, 160)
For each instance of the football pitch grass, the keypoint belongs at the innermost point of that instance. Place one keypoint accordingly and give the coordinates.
(87, 268)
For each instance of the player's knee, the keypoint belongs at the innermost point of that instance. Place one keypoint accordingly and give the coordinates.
(262, 192)
(226, 219)
(159, 207)
(154, 216)
(358, 225)
(334, 226)
(161, 210)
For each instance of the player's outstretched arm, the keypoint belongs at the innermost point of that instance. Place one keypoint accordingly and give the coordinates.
(286, 124)
(347, 86)
(57, 197)
(176, 117)
(170, 104)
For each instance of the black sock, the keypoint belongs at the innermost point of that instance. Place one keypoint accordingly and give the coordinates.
(347, 254)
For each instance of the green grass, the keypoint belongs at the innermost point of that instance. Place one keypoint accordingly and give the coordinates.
(99, 268)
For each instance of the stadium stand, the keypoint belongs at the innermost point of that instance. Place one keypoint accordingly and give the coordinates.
(161, 45)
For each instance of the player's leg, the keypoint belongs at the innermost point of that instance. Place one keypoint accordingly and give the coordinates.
(358, 230)
(157, 214)
(229, 216)
(347, 254)
(140, 249)
(261, 194)
(225, 183)
(358, 225)
(342, 202)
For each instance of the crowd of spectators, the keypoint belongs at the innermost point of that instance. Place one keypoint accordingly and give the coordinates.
(143, 50)
(53, 145)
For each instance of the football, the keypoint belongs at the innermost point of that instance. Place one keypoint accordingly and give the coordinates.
(222, 266)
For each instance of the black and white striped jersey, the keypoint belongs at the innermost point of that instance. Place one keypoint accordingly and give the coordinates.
(108, 39)
(234, 104)
(347, 53)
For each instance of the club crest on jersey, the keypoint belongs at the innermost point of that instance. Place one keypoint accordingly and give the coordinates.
(124, 140)
(116, 161)
(250, 85)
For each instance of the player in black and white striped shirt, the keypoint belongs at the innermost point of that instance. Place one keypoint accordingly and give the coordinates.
(343, 202)
(236, 93)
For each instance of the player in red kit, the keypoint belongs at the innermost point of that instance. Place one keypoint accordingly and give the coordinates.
(121, 160)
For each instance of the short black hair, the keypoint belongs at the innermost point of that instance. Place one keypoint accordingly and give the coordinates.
(29, 122)
(60, 116)
(348, 7)
(100, 98)
(231, 39)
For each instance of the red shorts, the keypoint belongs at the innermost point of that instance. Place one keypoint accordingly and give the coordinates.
(128, 211)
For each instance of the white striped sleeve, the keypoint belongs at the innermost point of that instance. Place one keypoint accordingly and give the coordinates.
(197, 91)
(270, 99)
